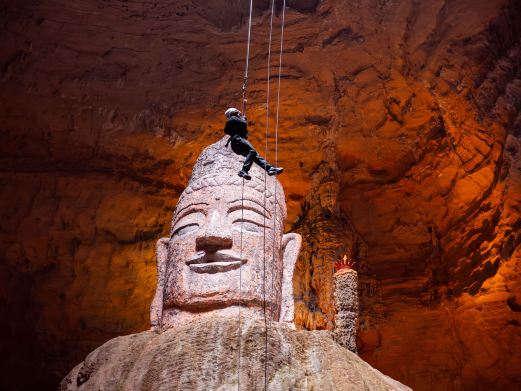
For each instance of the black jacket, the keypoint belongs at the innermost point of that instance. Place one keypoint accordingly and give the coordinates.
(236, 126)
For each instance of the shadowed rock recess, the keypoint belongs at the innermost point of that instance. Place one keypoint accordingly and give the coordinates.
(400, 134)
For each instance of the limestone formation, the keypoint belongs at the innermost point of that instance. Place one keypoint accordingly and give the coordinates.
(326, 235)
(204, 356)
(346, 304)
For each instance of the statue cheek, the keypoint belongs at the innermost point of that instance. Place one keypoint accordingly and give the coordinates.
(181, 248)
(257, 248)
(179, 251)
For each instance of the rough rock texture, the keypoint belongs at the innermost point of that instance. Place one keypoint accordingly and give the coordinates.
(347, 307)
(205, 356)
(414, 105)
(327, 235)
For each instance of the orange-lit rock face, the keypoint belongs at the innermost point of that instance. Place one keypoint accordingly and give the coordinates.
(408, 111)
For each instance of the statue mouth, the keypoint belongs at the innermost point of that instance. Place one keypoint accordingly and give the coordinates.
(216, 262)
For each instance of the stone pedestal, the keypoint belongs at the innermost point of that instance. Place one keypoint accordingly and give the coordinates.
(346, 304)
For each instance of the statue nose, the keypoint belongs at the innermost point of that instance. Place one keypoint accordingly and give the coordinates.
(216, 236)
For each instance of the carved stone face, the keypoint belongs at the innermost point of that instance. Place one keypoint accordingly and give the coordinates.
(200, 266)
(205, 250)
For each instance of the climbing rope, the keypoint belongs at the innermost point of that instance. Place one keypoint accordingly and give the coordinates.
(264, 201)
(247, 66)
(276, 165)
(240, 289)
(244, 101)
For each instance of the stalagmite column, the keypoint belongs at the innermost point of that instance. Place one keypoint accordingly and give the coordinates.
(346, 304)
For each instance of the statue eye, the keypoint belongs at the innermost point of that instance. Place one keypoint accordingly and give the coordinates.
(247, 226)
(188, 223)
(185, 229)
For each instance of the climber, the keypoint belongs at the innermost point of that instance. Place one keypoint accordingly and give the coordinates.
(236, 127)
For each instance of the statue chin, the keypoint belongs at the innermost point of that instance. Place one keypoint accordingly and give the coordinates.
(206, 300)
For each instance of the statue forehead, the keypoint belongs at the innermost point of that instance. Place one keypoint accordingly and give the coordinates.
(216, 171)
(231, 187)
(228, 194)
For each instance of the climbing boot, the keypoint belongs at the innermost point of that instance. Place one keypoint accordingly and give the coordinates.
(244, 174)
(275, 171)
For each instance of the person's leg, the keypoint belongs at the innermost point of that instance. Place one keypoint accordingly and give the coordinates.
(261, 162)
(243, 147)
(264, 164)
(250, 158)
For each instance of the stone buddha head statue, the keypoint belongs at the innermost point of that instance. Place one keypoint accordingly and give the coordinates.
(226, 247)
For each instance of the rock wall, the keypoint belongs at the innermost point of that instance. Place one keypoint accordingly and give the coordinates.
(408, 111)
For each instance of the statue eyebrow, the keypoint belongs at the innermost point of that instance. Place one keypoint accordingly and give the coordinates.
(250, 208)
(179, 213)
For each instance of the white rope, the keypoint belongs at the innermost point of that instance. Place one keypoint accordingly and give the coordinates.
(264, 202)
(277, 149)
(240, 290)
(244, 88)
(247, 66)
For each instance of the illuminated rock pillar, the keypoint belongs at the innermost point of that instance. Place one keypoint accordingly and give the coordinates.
(346, 305)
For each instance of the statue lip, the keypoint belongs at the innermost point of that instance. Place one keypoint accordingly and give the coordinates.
(214, 262)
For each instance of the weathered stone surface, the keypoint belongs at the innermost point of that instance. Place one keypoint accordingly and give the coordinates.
(204, 356)
(326, 235)
(347, 307)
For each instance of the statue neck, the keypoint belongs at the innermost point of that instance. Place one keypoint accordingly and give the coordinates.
(174, 317)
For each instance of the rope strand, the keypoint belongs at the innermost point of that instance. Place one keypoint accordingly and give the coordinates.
(247, 66)
(277, 148)
(244, 91)
(264, 201)
(240, 290)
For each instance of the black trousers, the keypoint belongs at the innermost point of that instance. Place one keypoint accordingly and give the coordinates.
(242, 147)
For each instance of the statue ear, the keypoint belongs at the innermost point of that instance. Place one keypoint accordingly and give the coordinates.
(291, 244)
(156, 308)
